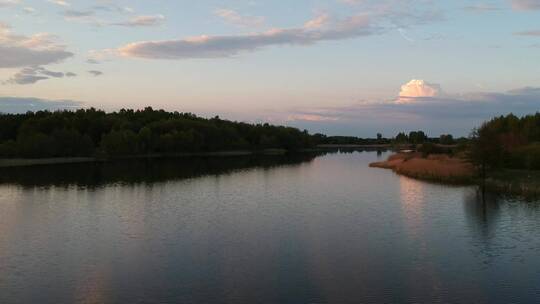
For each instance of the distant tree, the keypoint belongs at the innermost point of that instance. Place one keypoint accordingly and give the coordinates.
(446, 139)
(417, 137)
(402, 138)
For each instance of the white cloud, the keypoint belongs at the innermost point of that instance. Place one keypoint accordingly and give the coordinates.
(418, 89)
(437, 114)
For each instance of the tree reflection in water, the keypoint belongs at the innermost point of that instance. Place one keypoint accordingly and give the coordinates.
(143, 170)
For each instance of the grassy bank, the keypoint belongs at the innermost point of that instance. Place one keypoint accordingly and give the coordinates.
(445, 169)
(520, 182)
(436, 167)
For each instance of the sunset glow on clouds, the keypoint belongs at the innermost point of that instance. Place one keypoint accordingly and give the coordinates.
(330, 65)
(420, 104)
(417, 89)
(205, 46)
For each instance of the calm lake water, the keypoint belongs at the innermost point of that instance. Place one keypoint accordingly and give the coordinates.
(302, 229)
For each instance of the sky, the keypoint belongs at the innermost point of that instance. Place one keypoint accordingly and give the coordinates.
(340, 67)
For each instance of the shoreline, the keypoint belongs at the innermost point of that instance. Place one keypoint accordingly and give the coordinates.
(338, 146)
(454, 171)
(435, 168)
(27, 162)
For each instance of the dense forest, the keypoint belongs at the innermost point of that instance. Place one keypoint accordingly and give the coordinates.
(91, 132)
(508, 142)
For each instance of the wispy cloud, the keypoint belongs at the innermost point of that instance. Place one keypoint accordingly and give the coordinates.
(139, 21)
(59, 2)
(233, 17)
(226, 46)
(481, 8)
(31, 75)
(376, 18)
(528, 33)
(95, 73)
(8, 3)
(525, 5)
(72, 14)
(100, 15)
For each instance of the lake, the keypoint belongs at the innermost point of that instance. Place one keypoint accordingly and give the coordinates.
(299, 229)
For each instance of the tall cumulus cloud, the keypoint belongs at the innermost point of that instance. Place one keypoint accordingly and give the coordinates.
(429, 109)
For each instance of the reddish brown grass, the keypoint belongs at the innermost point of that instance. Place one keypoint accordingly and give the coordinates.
(436, 167)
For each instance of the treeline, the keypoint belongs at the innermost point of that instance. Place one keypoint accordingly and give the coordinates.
(91, 132)
(413, 138)
(322, 139)
(508, 142)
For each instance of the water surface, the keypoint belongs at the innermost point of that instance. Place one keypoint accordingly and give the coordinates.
(301, 229)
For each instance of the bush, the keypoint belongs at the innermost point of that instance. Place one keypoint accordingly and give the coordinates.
(526, 157)
(430, 148)
(8, 149)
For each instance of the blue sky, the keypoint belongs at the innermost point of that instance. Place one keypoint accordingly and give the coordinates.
(332, 66)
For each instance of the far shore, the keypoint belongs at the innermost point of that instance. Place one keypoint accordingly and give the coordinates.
(25, 162)
(337, 146)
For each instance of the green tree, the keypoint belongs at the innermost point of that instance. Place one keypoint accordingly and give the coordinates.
(446, 139)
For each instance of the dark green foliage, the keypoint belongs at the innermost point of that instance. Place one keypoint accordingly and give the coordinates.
(446, 139)
(402, 138)
(120, 142)
(507, 142)
(526, 157)
(350, 140)
(417, 137)
(430, 148)
(91, 132)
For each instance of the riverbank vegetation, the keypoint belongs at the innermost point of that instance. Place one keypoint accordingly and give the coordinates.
(506, 152)
(503, 155)
(507, 142)
(433, 167)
